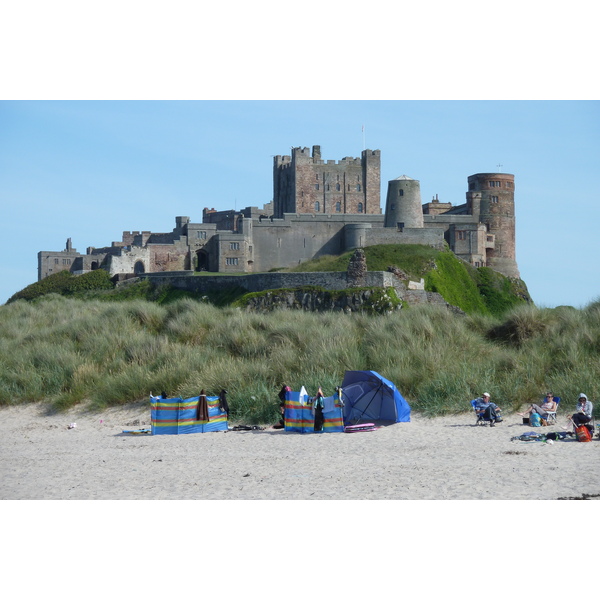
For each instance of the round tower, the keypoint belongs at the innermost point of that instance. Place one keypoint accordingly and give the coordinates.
(403, 206)
(355, 235)
(491, 197)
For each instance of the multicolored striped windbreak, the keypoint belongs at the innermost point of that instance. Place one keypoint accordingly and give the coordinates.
(300, 417)
(175, 416)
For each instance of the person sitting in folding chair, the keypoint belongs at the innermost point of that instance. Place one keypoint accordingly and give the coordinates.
(486, 410)
(549, 406)
(584, 412)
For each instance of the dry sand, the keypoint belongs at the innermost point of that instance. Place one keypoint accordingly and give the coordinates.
(446, 458)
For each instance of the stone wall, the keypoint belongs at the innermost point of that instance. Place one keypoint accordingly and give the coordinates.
(260, 282)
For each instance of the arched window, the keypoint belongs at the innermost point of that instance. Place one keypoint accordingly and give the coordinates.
(358, 187)
(400, 192)
(337, 187)
(360, 207)
(338, 207)
(317, 206)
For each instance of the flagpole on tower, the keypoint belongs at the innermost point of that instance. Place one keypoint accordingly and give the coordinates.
(363, 136)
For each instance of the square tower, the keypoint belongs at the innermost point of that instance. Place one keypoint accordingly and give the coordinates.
(306, 184)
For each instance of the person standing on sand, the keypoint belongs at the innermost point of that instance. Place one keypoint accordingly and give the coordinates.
(223, 404)
(282, 395)
(487, 409)
(318, 405)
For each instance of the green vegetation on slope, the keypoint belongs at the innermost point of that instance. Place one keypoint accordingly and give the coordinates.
(66, 351)
(472, 290)
(66, 284)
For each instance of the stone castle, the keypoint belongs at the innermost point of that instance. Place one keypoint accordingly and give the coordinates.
(319, 207)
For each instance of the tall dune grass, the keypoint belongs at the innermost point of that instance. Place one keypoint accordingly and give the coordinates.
(65, 352)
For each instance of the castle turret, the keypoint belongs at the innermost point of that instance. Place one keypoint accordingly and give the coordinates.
(403, 204)
(491, 197)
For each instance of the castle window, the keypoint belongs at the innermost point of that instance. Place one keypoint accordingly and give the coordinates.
(316, 186)
(494, 184)
(392, 207)
(360, 207)
(400, 192)
(56, 261)
(202, 235)
(509, 184)
(494, 199)
(234, 245)
(231, 261)
(461, 235)
(317, 176)
(338, 207)
(317, 206)
(358, 187)
(337, 187)
(327, 188)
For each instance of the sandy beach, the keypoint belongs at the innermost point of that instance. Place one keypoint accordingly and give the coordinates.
(446, 458)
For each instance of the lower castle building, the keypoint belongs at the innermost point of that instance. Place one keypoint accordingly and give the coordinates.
(319, 207)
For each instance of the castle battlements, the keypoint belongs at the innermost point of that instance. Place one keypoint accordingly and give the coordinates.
(319, 207)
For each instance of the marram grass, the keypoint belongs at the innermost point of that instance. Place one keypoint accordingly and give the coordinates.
(96, 353)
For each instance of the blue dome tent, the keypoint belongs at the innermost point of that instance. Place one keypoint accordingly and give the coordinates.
(370, 397)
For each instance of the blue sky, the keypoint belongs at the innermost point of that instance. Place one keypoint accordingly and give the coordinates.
(90, 170)
(122, 116)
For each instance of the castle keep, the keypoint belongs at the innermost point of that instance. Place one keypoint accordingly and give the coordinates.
(318, 208)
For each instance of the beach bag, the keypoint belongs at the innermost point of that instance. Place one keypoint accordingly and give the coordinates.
(583, 434)
(535, 420)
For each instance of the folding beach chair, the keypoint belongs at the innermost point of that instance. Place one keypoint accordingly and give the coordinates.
(480, 418)
(551, 418)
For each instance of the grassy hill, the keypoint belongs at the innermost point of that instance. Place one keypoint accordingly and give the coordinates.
(474, 290)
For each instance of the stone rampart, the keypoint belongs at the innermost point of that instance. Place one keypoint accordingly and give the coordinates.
(259, 282)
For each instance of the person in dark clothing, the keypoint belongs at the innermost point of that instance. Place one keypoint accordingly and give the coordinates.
(318, 405)
(282, 394)
(223, 402)
(584, 412)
